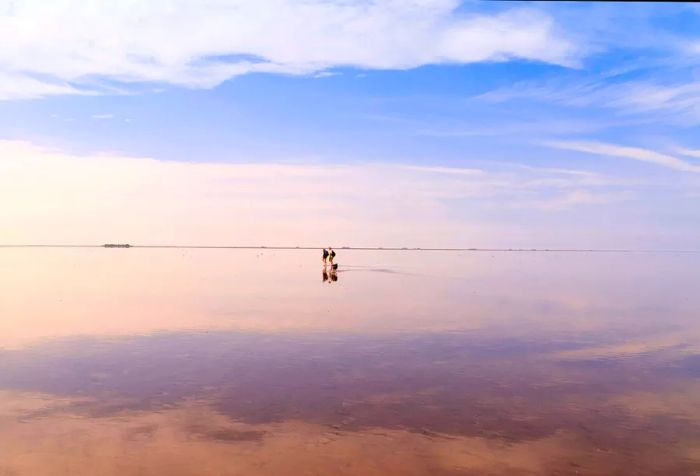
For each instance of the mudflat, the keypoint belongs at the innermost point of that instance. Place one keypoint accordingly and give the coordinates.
(198, 362)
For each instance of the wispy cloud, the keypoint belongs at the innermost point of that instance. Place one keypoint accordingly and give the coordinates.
(678, 100)
(326, 74)
(682, 99)
(358, 203)
(103, 116)
(660, 80)
(15, 85)
(689, 152)
(444, 170)
(572, 199)
(635, 153)
(67, 46)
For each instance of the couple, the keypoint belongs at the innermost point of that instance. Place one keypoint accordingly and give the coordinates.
(329, 255)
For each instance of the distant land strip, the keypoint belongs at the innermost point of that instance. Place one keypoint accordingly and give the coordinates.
(360, 248)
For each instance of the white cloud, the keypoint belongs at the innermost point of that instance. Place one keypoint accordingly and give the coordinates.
(572, 199)
(21, 86)
(683, 99)
(688, 152)
(680, 101)
(52, 196)
(444, 170)
(325, 74)
(103, 116)
(67, 46)
(635, 153)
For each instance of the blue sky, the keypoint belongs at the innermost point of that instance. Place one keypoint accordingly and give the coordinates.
(527, 93)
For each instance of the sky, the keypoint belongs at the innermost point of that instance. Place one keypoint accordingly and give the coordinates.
(350, 122)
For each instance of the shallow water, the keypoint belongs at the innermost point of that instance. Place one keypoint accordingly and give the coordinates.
(218, 362)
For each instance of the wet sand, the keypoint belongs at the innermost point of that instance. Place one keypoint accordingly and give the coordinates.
(251, 364)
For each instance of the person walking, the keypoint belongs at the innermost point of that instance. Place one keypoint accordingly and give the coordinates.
(325, 256)
(331, 255)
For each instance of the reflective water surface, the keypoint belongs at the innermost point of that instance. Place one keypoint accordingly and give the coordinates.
(228, 362)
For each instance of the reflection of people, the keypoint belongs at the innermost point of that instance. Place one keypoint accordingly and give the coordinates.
(329, 275)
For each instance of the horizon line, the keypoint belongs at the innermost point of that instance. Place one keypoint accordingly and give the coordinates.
(359, 248)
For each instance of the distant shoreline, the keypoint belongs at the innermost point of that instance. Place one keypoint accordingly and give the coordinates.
(360, 248)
